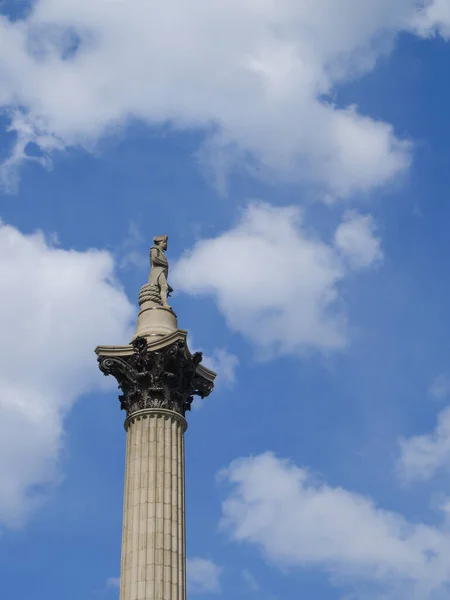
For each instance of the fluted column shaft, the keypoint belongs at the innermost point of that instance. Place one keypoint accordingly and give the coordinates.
(153, 538)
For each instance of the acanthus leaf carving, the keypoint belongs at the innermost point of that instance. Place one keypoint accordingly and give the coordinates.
(166, 378)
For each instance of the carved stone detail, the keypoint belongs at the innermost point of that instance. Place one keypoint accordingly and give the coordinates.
(149, 293)
(165, 378)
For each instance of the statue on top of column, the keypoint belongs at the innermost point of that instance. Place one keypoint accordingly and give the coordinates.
(159, 269)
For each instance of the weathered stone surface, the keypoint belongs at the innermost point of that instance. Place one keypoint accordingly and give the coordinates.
(165, 378)
(155, 321)
(153, 537)
(158, 377)
(157, 289)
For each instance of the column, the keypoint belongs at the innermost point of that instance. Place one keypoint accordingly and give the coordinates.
(158, 380)
(153, 538)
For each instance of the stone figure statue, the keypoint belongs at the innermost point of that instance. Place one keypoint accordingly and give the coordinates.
(159, 268)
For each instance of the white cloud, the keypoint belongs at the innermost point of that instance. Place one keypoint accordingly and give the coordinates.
(298, 521)
(224, 364)
(250, 580)
(421, 456)
(55, 307)
(440, 387)
(113, 582)
(433, 19)
(203, 576)
(27, 131)
(274, 281)
(355, 238)
(130, 253)
(253, 75)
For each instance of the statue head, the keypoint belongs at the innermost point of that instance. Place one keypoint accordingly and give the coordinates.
(161, 241)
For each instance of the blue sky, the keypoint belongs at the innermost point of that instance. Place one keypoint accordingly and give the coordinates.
(297, 156)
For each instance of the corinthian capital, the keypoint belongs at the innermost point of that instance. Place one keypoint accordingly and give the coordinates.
(166, 377)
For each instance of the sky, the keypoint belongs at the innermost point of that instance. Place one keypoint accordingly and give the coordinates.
(297, 154)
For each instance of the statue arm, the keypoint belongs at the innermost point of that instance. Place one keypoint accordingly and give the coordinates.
(157, 259)
(153, 256)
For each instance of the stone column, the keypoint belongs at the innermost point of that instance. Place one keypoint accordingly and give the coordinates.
(153, 547)
(158, 381)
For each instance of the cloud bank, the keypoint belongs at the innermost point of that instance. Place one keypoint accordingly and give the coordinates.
(256, 76)
(275, 282)
(56, 307)
(203, 576)
(297, 521)
(422, 456)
